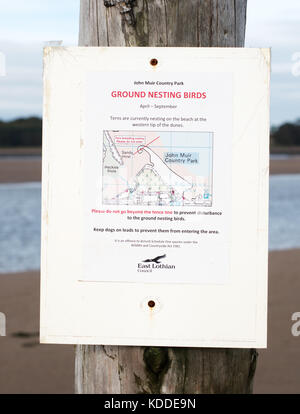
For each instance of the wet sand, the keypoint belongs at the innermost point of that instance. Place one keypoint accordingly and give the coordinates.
(25, 365)
(278, 369)
(287, 166)
(28, 367)
(19, 169)
(14, 170)
(20, 151)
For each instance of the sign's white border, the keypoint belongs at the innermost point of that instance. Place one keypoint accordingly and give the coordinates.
(78, 312)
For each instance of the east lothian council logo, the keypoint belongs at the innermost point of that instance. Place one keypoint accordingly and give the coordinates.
(149, 265)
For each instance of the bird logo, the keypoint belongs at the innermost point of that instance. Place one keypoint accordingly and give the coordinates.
(156, 259)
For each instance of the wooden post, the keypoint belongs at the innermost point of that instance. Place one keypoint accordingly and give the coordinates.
(116, 369)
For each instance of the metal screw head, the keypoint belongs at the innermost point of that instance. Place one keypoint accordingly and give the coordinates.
(151, 304)
(154, 62)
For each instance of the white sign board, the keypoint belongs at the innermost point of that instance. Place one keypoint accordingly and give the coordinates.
(155, 196)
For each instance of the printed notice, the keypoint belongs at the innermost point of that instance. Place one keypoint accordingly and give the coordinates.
(157, 177)
(157, 168)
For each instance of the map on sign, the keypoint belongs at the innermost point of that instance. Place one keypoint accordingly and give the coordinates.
(157, 168)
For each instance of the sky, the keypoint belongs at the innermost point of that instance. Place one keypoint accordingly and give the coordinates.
(25, 26)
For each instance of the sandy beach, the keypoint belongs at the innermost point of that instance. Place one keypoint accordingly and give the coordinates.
(278, 369)
(14, 170)
(20, 170)
(28, 367)
(285, 166)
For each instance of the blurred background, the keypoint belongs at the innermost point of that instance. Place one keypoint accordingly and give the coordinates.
(27, 26)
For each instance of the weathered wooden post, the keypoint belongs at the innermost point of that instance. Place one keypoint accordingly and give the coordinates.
(113, 369)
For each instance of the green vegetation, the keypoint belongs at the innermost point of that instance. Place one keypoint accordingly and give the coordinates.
(21, 133)
(27, 132)
(287, 134)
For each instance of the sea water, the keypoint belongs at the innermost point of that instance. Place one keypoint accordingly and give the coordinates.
(20, 224)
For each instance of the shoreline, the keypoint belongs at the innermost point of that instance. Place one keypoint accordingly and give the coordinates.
(15, 151)
(19, 169)
(285, 166)
(28, 367)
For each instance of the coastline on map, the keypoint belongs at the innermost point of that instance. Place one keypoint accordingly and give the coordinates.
(159, 168)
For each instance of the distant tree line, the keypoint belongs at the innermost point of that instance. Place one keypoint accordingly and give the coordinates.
(27, 132)
(23, 132)
(287, 134)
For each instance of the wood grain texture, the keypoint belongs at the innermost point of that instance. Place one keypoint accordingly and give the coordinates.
(124, 370)
(111, 369)
(193, 23)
